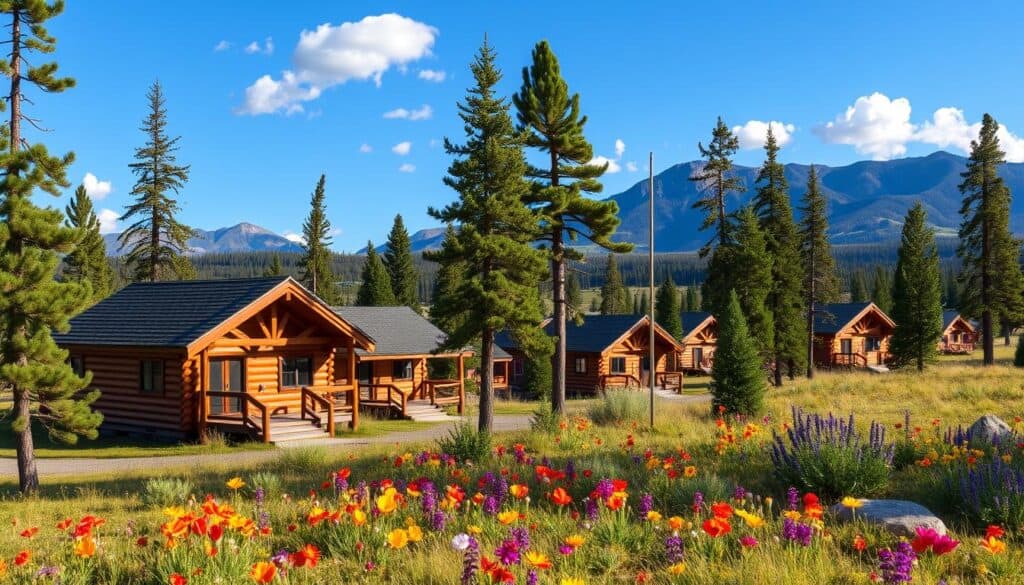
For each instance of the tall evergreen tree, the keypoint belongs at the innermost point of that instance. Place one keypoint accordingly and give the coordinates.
(573, 298)
(681, 300)
(782, 243)
(550, 116)
(375, 290)
(448, 282)
(87, 263)
(275, 268)
(951, 292)
(156, 238)
(692, 302)
(401, 270)
(990, 276)
(819, 283)
(859, 287)
(666, 308)
(716, 181)
(737, 381)
(917, 294)
(315, 265)
(881, 291)
(45, 389)
(496, 229)
(753, 279)
(614, 295)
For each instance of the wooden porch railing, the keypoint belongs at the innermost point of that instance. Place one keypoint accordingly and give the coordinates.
(313, 404)
(849, 359)
(443, 392)
(957, 348)
(394, 397)
(628, 380)
(664, 378)
(260, 426)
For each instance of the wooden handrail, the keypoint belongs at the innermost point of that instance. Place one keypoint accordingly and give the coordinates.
(395, 395)
(316, 400)
(849, 359)
(626, 378)
(247, 400)
(665, 376)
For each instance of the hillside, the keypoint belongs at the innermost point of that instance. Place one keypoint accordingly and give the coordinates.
(243, 237)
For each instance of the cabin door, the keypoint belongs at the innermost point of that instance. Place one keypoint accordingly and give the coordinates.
(698, 357)
(846, 346)
(226, 375)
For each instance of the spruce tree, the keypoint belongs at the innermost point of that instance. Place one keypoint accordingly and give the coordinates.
(87, 263)
(692, 302)
(375, 290)
(682, 300)
(990, 278)
(156, 238)
(1018, 355)
(595, 305)
(315, 264)
(737, 380)
(819, 283)
(496, 229)
(951, 292)
(666, 308)
(275, 268)
(401, 270)
(551, 118)
(753, 280)
(613, 293)
(573, 298)
(715, 183)
(448, 281)
(917, 294)
(881, 291)
(45, 390)
(859, 287)
(785, 299)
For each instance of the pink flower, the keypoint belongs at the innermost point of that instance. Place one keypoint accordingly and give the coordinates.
(748, 541)
(928, 538)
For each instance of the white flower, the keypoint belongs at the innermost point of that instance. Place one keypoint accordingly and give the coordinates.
(460, 541)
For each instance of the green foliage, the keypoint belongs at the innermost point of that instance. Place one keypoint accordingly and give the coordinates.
(316, 259)
(545, 419)
(666, 309)
(619, 406)
(87, 263)
(716, 183)
(1018, 354)
(859, 287)
(614, 295)
(274, 269)
(737, 380)
(917, 302)
(465, 443)
(400, 267)
(304, 460)
(881, 291)
(820, 283)
(573, 298)
(751, 272)
(156, 237)
(167, 491)
(537, 374)
(375, 291)
(270, 483)
(693, 303)
(448, 283)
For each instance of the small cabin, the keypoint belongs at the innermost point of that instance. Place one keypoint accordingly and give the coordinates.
(852, 335)
(958, 335)
(700, 339)
(249, 356)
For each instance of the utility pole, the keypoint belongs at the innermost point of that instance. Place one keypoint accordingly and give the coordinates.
(652, 364)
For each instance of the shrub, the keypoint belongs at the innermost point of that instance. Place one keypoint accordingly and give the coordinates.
(302, 459)
(619, 406)
(544, 419)
(828, 456)
(166, 491)
(270, 482)
(537, 376)
(464, 443)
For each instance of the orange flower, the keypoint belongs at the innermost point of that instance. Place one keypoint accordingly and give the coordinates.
(715, 527)
(85, 547)
(398, 538)
(690, 471)
(574, 541)
(538, 560)
(307, 556)
(22, 558)
(676, 523)
(560, 497)
(177, 579)
(721, 510)
(519, 491)
(859, 544)
(993, 545)
(508, 517)
(263, 572)
(30, 532)
(63, 524)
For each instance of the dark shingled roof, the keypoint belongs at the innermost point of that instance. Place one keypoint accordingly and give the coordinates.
(594, 336)
(833, 317)
(691, 319)
(164, 314)
(396, 330)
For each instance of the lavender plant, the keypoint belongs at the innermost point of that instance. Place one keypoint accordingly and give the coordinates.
(989, 492)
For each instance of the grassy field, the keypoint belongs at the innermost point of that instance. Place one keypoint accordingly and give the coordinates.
(620, 546)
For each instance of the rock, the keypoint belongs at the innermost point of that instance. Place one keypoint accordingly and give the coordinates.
(989, 429)
(900, 517)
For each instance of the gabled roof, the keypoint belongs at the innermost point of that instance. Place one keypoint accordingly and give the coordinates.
(948, 317)
(692, 320)
(180, 314)
(397, 331)
(595, 335)
(833, 318)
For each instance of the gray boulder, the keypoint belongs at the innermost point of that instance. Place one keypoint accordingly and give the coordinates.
(990, 429)
(900, 517)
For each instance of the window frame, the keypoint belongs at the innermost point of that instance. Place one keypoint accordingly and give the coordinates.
(153, 380)
(298, 383)
(873, 343)
(79, 370)
(613, 361)
(580, 361)
(407, 368)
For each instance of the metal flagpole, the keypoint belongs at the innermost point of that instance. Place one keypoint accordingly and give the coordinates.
(651, 363)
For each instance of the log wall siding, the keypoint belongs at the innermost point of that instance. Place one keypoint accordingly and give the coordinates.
(958, 331)
(825, 345)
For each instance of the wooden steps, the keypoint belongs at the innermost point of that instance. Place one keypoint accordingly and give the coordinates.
(286, 429)
(424, 411)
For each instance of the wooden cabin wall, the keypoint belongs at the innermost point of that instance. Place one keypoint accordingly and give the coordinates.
(684, 359)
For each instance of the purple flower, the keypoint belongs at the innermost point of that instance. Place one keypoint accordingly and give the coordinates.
(797, 532)
(792, 498)
(48, 571)
(531, 577)
(896, 565)
(646, 505)
(491, 505)
(565, 549)
(739, 493)
(259, 495)
(437, 520)
(521, 537)
(507, 552)
(470, 561)
(674, 549)
(605, 488)
(592, 510)
(698, 501)
(281, 557)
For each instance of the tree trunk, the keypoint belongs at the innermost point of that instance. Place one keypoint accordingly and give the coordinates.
(558, 288)
(778, 371)
(28, 477)
(486, 422)
(987, 339)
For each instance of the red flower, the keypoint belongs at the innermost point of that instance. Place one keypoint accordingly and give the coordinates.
(216, 532)
(560, 497)
(30, 532)
(716, 527)
(721, 510)
(307, 556)
(994, 531)
(22, 558)
(859, 544)
(177, 579)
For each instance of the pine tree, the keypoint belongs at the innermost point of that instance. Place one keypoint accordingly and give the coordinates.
(645, 303)
(666, 308)
(375, 290)
(681, 299)
(951, 292)
(573, 298)
(156, 237)
(496, 229)
(614, 294)
(550, 116)
(819, 284)
(87, 263)
(275, 268)
(917, 294)
(859, 287)
(315, 264)
(716, 182)
(753, 280)
(692, 302)
(737, 380)
(45, 389)
(990, 278)
(785, 299)
(881, 291)
(401, 270)
(448, 282)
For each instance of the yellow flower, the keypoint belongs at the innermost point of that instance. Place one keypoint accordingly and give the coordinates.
(792, 515)
(572, 581)
(677, 569)
(852, 503)
(508, 517)
(398, 538)
(236, 483)
(654, 516)
(85, 547)
(358, 517)
(415, 533)
(574, 540)
(752, 520)
(388, 501)
(538, 560)
(473, 529)
(690, 471)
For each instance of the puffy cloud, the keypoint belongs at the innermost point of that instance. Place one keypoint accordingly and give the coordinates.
(294, 237)
(948, 127)
(620, 147)
(364, 148)
(222, 46)
(631, 167)
(406, 168)
(874, 125)
(331, 55)
(613, 165)
(754, 133)
(108, 220)
(422, 113)
(95, 188)
(254, 47)
(1012, 144)
(402, 148)
(432, 75)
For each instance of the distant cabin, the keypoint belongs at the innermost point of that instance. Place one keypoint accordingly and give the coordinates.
(254, 356)
(854, 335)
(958, 334)
(605, 351)
(700, 339)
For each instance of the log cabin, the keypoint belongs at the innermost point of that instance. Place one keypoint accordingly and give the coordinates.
(958, 335)
(700, 338)
(250, 356)
(605, 351)
(852, 335)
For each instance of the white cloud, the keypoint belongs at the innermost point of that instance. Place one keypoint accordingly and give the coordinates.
(294, 237)
(1011, 144)
(432, 75)
(874, 125)
(254, 47)
(422, 113)
(434, 143)
(364, 148)
(631, 167)
(754, 133)
(948, 127)
(268, 46)
(95, 188)
(108, 220)
(613, 166)
(332, 55)
(620, 148)
(222, 46)
(402, 148)
(406, 168)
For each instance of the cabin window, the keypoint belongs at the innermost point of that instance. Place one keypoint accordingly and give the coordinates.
(296, 372)
(401, 370)
(872, 344)
(151, 376)
(618, 365)
(581, 365)
(77, 364)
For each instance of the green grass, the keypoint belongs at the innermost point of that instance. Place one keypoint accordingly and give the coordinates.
(377, 427)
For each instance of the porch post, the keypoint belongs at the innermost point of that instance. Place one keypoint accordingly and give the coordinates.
(462, 384)
(203, 367)
(354, 423)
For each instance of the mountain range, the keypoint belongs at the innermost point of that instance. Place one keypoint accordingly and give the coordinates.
(243, 237)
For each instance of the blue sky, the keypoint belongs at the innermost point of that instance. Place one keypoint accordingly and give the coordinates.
(265, 99)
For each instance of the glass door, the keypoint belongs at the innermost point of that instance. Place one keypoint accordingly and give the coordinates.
(226, 376)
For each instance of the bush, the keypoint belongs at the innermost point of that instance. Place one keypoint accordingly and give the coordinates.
(270, 482)
(829, 457)
(464, 443)
(619, 406)
(537, 376)
(166, 491)
(545, 420)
